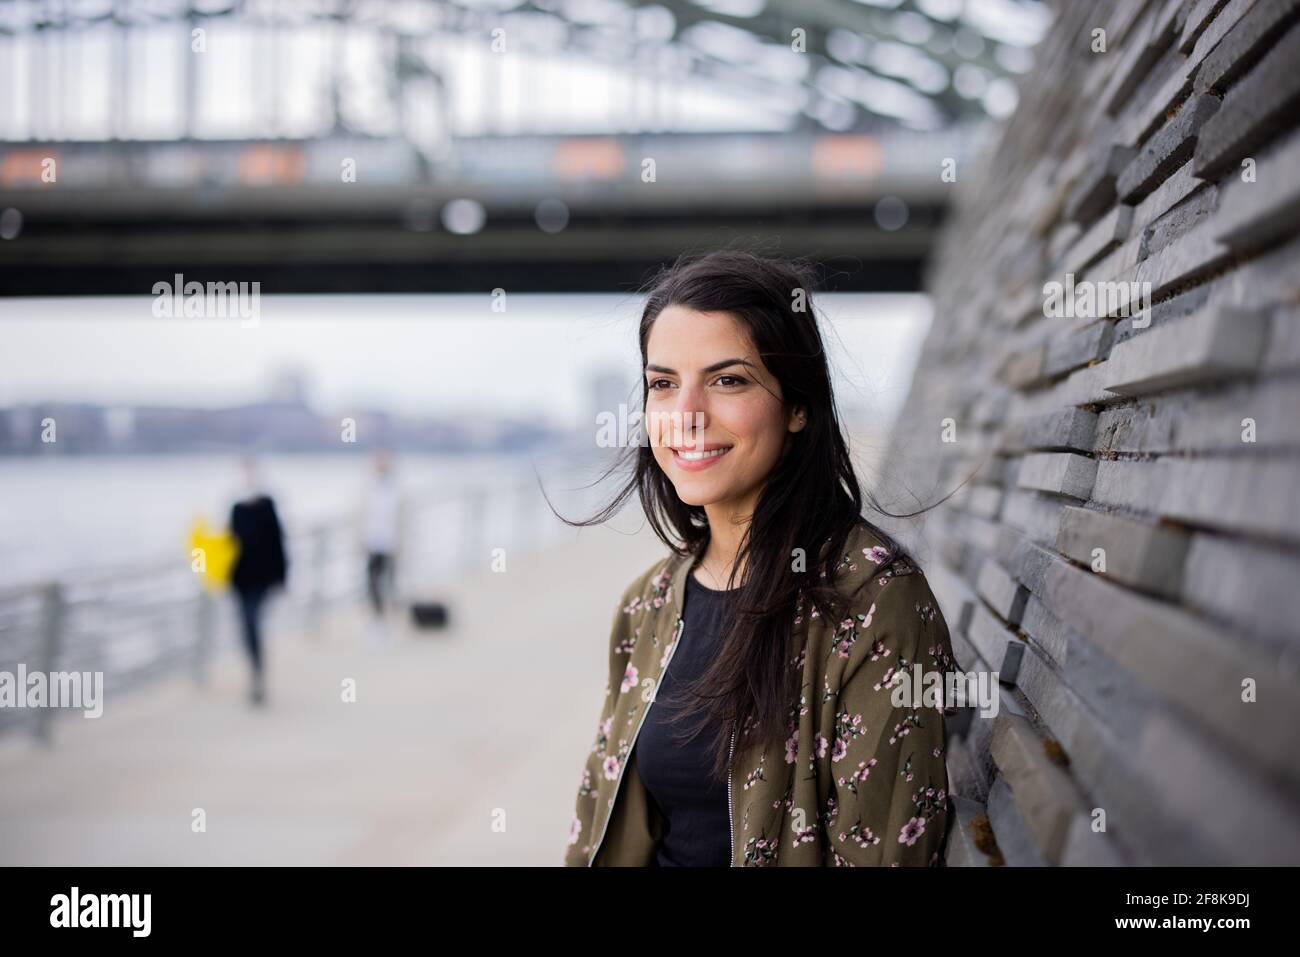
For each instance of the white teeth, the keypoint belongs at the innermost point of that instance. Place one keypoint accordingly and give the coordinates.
(696, 456)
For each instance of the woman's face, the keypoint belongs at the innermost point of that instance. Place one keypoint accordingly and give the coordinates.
(708, 391)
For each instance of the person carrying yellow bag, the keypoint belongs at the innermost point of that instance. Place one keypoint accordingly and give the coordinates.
(213, 553)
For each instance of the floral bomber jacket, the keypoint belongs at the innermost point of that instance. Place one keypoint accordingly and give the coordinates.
(859, 782)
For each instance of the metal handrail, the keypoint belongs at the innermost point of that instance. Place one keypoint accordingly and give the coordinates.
(76, 619)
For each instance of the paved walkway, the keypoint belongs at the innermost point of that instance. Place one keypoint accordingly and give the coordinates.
(449, 730)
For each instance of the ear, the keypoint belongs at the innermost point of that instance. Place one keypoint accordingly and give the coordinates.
(798, 419)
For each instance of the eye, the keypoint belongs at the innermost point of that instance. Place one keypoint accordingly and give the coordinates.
(735, 379)
(654, 383)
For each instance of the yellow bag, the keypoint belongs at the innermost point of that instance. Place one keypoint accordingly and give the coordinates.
(212, 554)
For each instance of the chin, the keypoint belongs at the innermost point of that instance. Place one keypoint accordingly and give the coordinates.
(700, 497)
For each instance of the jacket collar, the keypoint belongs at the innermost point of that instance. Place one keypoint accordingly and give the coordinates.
(678, 582)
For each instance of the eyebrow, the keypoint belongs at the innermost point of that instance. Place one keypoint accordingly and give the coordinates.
(706, 370)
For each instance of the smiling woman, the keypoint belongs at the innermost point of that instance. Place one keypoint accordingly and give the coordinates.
(794, 614)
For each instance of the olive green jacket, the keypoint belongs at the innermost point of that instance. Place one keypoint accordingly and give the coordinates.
(859, 782)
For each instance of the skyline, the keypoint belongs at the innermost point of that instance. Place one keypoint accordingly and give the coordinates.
(112, 351)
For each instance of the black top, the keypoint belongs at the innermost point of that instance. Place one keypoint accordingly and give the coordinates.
(261, 562)
(695, 806)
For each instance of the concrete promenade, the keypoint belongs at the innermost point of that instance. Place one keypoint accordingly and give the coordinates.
(449, 728)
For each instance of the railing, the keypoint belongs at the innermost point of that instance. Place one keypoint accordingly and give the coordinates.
(134, 624)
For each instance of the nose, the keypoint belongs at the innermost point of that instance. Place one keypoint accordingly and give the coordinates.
(689, 415)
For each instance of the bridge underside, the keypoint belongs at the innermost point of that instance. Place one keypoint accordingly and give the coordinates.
(100, 247)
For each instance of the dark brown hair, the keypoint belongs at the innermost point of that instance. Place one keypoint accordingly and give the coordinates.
(811, 500)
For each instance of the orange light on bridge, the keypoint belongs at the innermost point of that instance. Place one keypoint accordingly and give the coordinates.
(271, 165)
(589, 159)
(851, 156)
(27, 167)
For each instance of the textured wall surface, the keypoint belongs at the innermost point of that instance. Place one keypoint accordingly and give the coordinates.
(1128, 553)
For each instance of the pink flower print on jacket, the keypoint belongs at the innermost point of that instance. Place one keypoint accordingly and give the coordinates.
(847, 727)
(911, 831)
(850, 783)
(807, 835)
(892, 677)
(660, 589)
(629, 679)
(859, 833)
(848, 632)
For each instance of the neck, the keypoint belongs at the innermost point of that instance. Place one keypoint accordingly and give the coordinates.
(728, 522)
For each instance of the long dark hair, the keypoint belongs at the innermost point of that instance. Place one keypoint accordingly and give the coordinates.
(812, 499)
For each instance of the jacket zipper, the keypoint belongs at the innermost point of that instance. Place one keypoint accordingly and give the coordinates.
(681, 623)
(731, 824)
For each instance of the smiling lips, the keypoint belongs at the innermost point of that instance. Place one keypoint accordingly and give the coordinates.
(694, 458)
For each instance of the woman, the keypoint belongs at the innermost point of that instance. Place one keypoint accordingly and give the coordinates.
(787, 618)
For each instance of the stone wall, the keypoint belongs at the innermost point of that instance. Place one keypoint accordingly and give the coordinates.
(1127, 555)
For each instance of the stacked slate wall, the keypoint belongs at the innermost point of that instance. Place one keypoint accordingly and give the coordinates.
(1127, 555)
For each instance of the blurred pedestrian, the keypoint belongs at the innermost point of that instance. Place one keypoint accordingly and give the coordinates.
(261, 566)
(382, 525)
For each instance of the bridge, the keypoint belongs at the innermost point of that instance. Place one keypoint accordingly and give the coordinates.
(371, 146)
